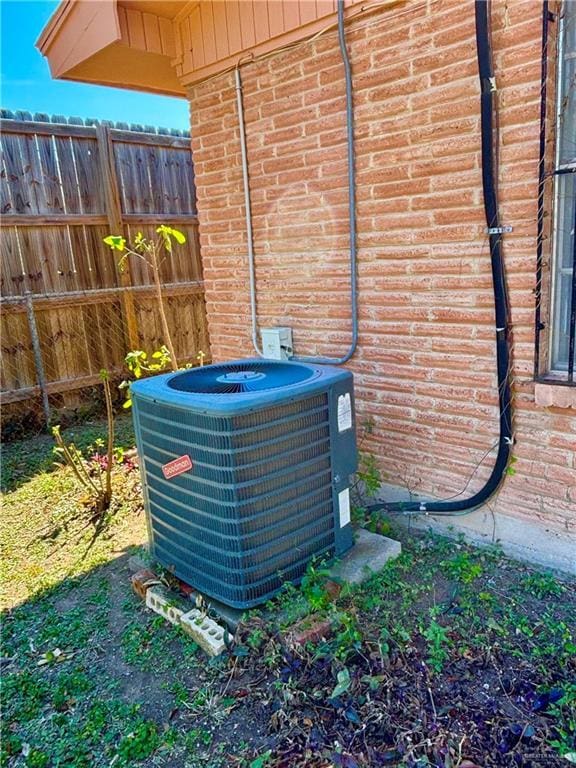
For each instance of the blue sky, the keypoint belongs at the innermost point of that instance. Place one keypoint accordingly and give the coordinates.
(26, 83)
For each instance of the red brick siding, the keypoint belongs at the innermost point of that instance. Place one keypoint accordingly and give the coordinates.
(425, 367)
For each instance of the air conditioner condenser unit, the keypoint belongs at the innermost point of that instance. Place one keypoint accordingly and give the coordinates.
(246, 472)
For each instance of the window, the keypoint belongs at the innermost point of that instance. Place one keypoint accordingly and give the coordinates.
(563, 277)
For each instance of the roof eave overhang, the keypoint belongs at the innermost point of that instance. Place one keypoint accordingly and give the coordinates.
(83, 42)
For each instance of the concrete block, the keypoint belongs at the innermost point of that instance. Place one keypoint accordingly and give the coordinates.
(230, 616)
(311, 629)
(161, 601)
(143, 580)
(205, 631)
(369, 555)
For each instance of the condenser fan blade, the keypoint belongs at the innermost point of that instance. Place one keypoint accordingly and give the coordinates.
(240, 378)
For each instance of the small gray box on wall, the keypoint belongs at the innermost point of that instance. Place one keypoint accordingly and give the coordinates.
(277, 343)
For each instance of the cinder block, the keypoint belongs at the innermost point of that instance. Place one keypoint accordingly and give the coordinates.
(205, 631)
(161, 601)
(142, 581)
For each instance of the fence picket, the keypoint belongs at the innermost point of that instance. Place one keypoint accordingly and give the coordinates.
(59, 183)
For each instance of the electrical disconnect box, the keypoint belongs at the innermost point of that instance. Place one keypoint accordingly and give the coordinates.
(277, 343)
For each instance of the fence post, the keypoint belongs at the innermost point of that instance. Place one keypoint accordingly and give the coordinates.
(38, 363)
(114, 214)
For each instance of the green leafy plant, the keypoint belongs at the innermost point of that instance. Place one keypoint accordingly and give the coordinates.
(368, 474)
(348, 637)
(313, 585)
(261, 760)
(343, 684)
(256, 638)
(542, 585)
(564, 712)
(94, 477)
(438, 643)
(368, 478)
(511, 469)
(153, 251)
(139, 743)
(375, 522)
(462, 568)
(138, 363)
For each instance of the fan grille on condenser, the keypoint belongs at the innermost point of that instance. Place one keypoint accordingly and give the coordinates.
(240, 378)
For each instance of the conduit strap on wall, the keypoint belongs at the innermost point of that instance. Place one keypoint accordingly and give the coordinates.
(503, 356)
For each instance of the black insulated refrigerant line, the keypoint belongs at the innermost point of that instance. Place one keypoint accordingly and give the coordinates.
(503, 357)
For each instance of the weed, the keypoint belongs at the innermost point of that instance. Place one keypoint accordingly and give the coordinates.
(368, 479)
(205, 703)
(542, 585)
(69, 687)
(348, 637)
(153, 252)
(94, 478)
(564, 711)
(256, 638)
(180, 692)
(23, 694)
(198, 737)
(313, 586)
(138, 363)
(438, 643)
(462, 568)
(146, 645)
(139, 743)
(37, 759)
(261, 761)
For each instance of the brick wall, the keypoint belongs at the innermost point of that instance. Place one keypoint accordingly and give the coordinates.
(425, 367)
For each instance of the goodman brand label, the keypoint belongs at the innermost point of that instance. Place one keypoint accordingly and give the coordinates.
(344, 507)
(177, 467)
(344, 412)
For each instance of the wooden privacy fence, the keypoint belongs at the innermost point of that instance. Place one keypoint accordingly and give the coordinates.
(67, 311)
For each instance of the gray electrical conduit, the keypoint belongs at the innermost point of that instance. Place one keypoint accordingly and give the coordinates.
(351, 205)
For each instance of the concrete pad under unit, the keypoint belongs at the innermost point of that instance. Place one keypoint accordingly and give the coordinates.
(370, 553)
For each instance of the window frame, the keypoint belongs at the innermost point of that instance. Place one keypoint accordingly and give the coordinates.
(556, 171)
(562, 173)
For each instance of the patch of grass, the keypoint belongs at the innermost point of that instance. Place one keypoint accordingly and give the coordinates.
(24, 695)
(23, 460)
(69, 688)
(149, 646)
(47, 536)
(448, 647)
